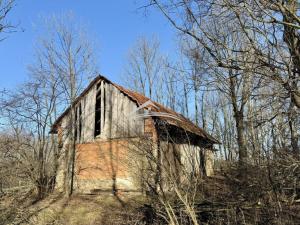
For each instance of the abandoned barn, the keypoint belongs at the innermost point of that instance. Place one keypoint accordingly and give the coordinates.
(124, 141)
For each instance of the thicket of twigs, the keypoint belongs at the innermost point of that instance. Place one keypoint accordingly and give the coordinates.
(268, 194)
(265, 194)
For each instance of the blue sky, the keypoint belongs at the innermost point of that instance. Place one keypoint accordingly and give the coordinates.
(113, 25)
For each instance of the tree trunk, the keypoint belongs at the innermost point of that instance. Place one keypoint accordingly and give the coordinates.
(40, 180)
(239, 120)
(292, 39)
(71, 159)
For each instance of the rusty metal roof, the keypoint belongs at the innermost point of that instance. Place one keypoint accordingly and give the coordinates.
(140, 99)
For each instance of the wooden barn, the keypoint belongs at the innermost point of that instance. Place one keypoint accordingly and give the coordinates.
(124, 140)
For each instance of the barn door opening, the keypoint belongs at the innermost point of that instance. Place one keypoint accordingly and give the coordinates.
(100, 109)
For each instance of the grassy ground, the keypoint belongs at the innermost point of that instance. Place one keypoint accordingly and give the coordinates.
(78, 210)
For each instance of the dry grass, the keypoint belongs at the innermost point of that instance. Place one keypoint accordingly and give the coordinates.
(78, 210)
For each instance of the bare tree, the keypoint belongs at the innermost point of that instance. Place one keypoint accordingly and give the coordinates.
(145, 67)
(66, 55)
(257, 20)
(271, 41)
(5, 8)
(28, 112)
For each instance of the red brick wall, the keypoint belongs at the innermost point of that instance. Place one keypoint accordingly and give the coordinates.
(102, 160)
(149, 129)
(104, 163)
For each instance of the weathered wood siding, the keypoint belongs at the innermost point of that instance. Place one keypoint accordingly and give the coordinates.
(88, 115)
(119, 116)
(179, 160)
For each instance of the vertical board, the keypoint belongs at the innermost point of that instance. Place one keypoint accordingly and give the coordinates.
(89, 115)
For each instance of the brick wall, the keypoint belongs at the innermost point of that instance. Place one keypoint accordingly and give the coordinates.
(103, 165)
